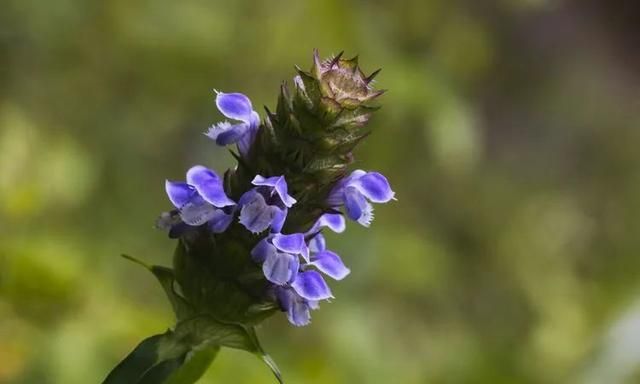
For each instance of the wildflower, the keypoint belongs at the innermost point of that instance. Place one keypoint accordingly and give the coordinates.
(217, 297)
(279, 255)
(266, 205)
(238, 107)
(326, 261)
(357, 191)
(298, 309)
(201, 200)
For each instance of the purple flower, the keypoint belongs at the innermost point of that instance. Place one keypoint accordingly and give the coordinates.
(357, 191)
(201, 200)
(266, 205)
(280, 256)
(326, 261)
(235, 106)
(298, 309)
(303, 295)
(298, 288)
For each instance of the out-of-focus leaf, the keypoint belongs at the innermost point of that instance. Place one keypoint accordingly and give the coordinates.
(195, 365)
(154, 358)
(214, 332)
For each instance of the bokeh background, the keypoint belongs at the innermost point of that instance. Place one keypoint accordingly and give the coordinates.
(510, 132)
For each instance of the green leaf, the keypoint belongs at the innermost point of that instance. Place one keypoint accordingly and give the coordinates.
(195, 365)
(209, 331)
(160, 372)
(152, 358)
(183, 355)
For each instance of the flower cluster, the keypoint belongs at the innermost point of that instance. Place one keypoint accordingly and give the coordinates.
(292, 263)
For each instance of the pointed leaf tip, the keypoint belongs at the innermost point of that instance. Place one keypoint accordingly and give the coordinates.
(137, 261)
(370, 78)
(272, 365)
(335, 60)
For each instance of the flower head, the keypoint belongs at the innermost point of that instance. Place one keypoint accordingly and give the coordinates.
(280, 256)
(201, 200)
(357, 191)
(235, 106)
(266, 205)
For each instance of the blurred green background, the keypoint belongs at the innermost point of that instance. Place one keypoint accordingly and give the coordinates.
(510, 133)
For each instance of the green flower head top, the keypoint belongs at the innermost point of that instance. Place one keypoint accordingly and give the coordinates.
(250, 242)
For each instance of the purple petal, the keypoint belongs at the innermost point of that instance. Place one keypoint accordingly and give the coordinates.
(297, 308)
(311, 286)
(280, 268)
(246, 141)
(330, 263)
(225, 133)
(354, 202)
(255, 214)
(235, 106)
(179, 193)
(247, 197)
(317, 243)
(279, 186)
(220, 221)
(355, 175)
(293, 243)
(262, 250)
(209, 186)
(336, 197)
(279, 217)
(374, 186)
(285, 297)
(299, 314)
(334, 221)
(197, 212)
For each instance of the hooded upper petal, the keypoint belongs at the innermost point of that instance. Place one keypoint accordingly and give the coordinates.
(293, 243)
(374, 186)
(333, 221)
(279, 187)
(209, 186)
(179, 193)
(235, 106)
(311, 286)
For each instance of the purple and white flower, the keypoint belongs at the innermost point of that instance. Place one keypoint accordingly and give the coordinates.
(202, 199)
(235, 106)
(290, 263)
(356, 193)
(266, 205)
(326, 261)
(298, 308)
(280, 256)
